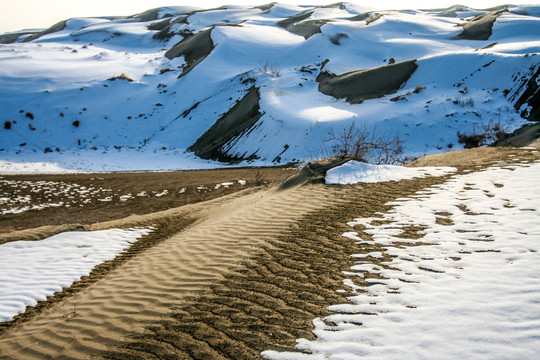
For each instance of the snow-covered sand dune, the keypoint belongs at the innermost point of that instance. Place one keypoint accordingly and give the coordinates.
(463, 284)
(101, 94)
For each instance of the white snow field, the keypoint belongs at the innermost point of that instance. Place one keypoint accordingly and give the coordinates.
(468, 288)
(64, 101)
(354, 172)
(30, 271)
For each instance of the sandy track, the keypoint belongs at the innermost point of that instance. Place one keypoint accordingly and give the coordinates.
(271, 299)
(162, 278)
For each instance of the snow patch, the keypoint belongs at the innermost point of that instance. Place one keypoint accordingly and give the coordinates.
(354, 172)
(30, 271)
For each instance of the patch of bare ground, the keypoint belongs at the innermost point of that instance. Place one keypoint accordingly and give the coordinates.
(94, 198)
(164, 277)
(482, 157)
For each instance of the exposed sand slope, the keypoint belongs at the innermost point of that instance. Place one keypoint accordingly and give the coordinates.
(307, 28)
(480, 27)
(194, 48)
(147, 287)
(361, 85)
(530, 98)
(238, 120)
(55, 28)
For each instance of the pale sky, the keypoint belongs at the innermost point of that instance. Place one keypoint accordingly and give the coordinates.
(26, 14)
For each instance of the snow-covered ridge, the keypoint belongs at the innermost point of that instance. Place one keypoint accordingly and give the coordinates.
(112, 89)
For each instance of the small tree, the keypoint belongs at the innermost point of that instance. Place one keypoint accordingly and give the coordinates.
(259, 174)
(359, 143)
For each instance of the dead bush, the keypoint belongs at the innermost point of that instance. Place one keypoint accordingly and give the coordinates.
(360, 143)
(120, 77)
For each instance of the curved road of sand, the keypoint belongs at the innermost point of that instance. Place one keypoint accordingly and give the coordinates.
(148, 286)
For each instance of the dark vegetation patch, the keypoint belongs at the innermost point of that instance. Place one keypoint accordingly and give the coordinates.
(194, 48)
(55, 28)
(486, 134)
(336, 39)
(240, 119)
(357, 86)
(120, 77)
(480, 27)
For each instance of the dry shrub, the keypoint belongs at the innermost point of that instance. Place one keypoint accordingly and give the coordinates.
(484, 135)
(359, 143)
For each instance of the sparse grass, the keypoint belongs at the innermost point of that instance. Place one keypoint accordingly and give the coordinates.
(360, 143)
(164, 70)
(461, 101)
(121, 77)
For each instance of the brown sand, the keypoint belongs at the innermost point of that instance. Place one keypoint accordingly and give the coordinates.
(249, 274)
(357, 86)
(198, 186)
(480, 27)
(160, 279)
